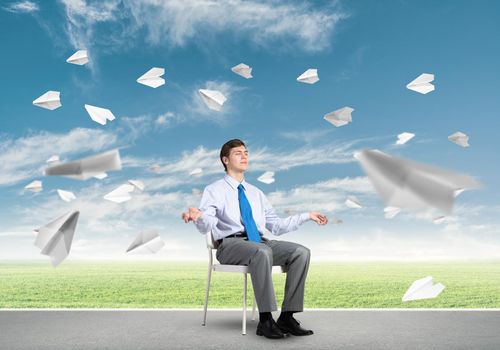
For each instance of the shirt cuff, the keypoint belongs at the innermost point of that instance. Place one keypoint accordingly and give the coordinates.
(304, 217)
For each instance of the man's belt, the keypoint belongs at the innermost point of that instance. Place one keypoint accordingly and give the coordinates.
(236, 235)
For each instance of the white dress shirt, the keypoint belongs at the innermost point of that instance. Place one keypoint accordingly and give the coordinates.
(221, 211)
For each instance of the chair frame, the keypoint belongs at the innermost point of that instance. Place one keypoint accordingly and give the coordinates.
(243, 269)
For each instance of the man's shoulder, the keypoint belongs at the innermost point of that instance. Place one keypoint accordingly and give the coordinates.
(216, 185)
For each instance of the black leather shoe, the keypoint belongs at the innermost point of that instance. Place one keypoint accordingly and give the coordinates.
(270, 329)
(292, 326)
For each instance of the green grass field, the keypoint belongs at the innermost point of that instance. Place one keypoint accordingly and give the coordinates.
(172, 285)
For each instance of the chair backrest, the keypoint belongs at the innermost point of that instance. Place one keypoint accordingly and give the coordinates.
(210, 240)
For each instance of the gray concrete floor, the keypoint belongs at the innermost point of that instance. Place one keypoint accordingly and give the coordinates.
(173, 329)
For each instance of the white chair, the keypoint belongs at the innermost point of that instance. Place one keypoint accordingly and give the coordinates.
(230, 268)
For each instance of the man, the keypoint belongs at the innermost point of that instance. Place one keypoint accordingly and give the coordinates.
(237, 213)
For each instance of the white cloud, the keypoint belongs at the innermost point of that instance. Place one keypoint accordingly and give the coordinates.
(175, 23)
(25, 157)
(325, 196)
(22, 7)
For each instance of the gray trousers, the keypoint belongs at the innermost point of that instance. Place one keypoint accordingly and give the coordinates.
(260, 258)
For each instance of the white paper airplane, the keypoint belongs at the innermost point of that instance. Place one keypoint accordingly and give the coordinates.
(404, 138)
(53, 159)
(152, 77)
(35, 186)
(406, 184)
(120, 194)
(66, 196)
(423, 289)
(137, 184)
(244, 70)
(422, 83)
(340, 117)
(213, 99)
(267, 177)
(99, 115)
(196, 172)
(390, 212)
(458, 192)
(50, 100)
(86, 168)
(147, 242)
(460, 139)
(55, 238)
(439, 220)
(79, 58)
(353, 203)
(101, 176)
(310, 76)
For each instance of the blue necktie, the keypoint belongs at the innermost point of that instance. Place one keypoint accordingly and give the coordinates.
(246, 216)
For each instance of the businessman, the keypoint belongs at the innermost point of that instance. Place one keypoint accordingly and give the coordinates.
(237, 213)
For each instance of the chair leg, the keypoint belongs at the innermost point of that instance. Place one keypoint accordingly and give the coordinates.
(207, 289)
(254, 308)
(244, 326)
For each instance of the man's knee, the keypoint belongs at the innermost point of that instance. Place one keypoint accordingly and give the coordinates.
(264, 253)
(303, 253)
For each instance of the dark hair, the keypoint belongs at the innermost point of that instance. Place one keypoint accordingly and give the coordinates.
(226, 149)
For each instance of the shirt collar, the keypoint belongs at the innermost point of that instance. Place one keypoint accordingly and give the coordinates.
(234, 183)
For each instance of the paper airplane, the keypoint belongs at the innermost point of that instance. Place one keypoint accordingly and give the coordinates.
(101, 176)
(423, 289)
(50, 100)
(66, 196)
(213, 99)
(86, 168)
(267, 177)
(79, 58)
(310, 76)
(439, 220)
(55, 238)
(99, 115)
(196, 172)
(120, 194)
(353, 203)
(340, 117)
(422, 83)
(35, 186)
(458, 192)
(406, 184)
(460, 139)
(243, 70)
(404, 138)
(148, 242)
(137, 184)
(53, 159)
(391, 212)
(152, 77)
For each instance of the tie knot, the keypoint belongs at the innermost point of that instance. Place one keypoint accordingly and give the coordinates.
(240, 187)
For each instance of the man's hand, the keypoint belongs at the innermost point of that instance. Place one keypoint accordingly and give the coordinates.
(318, 218)
(192, 214)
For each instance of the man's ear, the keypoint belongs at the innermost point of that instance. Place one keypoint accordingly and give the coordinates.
(225, 160)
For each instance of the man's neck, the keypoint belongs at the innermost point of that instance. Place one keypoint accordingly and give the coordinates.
(238, 176)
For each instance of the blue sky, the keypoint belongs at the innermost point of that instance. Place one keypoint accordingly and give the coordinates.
(365, 52)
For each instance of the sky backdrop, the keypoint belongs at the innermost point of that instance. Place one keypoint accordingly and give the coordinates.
(365, 52)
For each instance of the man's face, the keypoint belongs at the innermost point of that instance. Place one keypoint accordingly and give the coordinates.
(238, 159)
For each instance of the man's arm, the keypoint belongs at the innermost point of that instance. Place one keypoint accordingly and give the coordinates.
(207, 219)
(279, 226)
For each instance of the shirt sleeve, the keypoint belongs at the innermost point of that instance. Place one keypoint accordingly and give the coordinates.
(208, 206)
(279, 226)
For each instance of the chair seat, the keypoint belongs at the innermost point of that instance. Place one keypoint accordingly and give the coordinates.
(242, 268)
